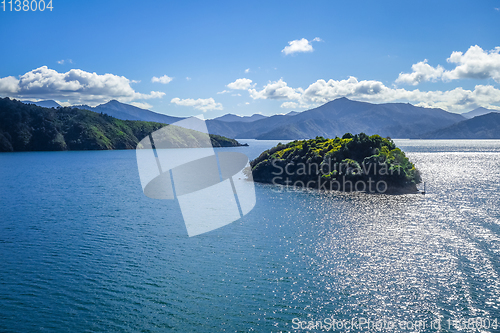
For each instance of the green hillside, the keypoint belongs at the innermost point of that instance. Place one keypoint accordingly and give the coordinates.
(27, 127)
(351, 163)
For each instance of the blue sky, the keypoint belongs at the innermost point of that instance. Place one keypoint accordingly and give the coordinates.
(232, 57)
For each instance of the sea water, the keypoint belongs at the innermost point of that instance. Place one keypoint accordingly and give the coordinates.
(83, 249)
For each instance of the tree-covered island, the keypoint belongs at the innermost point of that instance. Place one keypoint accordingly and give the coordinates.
(359, 162)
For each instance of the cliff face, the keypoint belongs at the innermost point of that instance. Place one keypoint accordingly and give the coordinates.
(33, 128)
(362, 163)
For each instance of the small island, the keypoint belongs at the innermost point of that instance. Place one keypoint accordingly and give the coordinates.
(360, 163)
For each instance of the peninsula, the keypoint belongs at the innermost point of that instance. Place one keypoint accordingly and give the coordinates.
(28, 127)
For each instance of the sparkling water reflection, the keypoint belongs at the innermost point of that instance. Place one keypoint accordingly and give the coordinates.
(81, 248)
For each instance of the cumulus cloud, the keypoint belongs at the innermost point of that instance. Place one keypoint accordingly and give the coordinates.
(323, 91)
(75, 86)
(289, 105)
(475, 63)
(422, 71)
(299, 45)
(165, 79)
(276, 90)
(240, 84)
(247, 70)
(223, 92)
(199, 104)
(9, 85)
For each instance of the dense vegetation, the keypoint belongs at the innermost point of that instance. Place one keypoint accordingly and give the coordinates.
(353, 162)
(27, 127)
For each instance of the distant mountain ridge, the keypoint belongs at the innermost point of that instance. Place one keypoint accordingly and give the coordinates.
(247, 119)
(396, 120)
(478, 112)
(124, 111)
(480, 127)
(46, 104)
(340, 116)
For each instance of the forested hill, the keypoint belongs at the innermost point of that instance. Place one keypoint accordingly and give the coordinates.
(33, 128)
(350, 163)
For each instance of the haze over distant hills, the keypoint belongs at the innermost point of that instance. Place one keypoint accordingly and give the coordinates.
(247, 119)
(46, 104)
(477, 112)
(480, 127)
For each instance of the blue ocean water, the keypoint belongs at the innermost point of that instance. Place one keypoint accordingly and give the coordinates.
(82, 249)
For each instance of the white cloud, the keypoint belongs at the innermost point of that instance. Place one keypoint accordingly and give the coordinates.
(223, 92)
(475, 63)
(188, 78)
(75, 86)
(61, 62)
(299, 45)
(240, 84)
(199, 104)
(146, 106)
(162, 79)
(276, 90)
(375, 91)
(247, 70)
(289, 105)
(422, 71)
(323, 91)
(9, 85)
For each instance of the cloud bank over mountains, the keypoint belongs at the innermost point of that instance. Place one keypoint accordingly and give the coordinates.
(75, 86)
(199, 104)
(475, 63)
(322, 91)
(80, 87)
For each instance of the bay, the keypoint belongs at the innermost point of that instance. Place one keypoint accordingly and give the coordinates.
(82, 248)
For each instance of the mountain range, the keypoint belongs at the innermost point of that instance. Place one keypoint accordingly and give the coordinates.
(340, 116)
(123, 111)
(246, 119)
(480, 127)
(396, 120)
(478, 112)
(45, 104)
